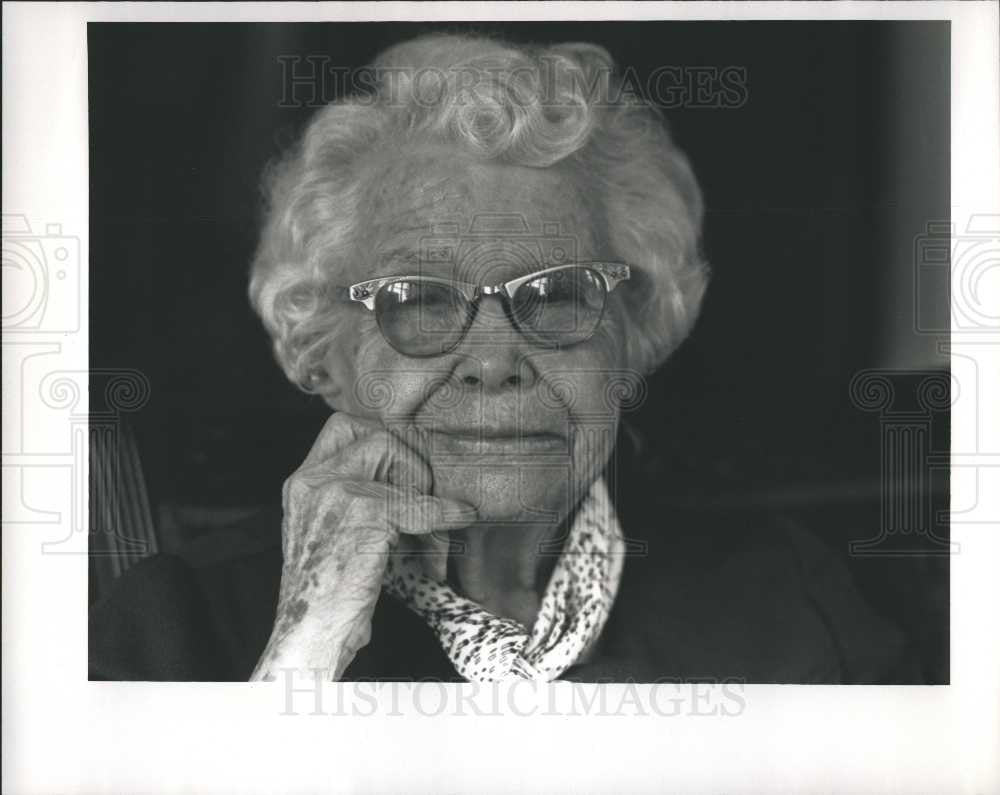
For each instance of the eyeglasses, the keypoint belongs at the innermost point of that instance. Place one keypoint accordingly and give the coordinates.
(428, 316)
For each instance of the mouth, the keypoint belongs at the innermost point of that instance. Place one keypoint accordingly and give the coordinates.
(498, 442)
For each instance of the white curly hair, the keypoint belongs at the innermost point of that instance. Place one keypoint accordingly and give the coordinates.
(502, 102)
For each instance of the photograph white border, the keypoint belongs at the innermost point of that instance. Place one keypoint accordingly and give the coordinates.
(62, 733)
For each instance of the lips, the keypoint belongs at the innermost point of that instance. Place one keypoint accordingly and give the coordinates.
(496, 441)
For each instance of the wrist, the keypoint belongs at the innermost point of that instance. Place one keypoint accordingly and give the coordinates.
(309, 645)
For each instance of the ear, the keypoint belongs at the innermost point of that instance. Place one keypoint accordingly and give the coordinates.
(337, 373)
(333, 380)
(330, 388)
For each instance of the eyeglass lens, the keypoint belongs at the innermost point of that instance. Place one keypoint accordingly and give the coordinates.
(420, 318)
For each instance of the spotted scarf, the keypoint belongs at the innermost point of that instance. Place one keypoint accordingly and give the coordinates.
(486, 648)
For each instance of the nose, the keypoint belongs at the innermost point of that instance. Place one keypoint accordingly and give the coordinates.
(493, 352)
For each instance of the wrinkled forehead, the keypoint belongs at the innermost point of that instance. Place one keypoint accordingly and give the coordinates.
(427, 211)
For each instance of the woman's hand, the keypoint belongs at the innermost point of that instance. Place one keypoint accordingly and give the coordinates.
(344, 508)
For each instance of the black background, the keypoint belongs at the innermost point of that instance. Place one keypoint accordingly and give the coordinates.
(816, 188)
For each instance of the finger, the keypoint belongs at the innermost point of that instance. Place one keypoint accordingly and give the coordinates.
(381, 457)
(420, 514)
(382, 522)
(404, 510)
(339, 431)
(410, 466)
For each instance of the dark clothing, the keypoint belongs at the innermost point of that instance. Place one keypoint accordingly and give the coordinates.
(710, 598)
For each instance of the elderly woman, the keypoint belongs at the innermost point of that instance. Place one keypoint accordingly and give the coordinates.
(473, 265)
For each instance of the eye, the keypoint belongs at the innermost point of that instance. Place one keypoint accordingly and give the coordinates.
(553, 288)
(421, 318)
(567, 303)
(567, 287)
(400, 291)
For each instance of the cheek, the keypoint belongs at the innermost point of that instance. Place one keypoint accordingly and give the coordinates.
(602, 386)
(387, 385)
(586, 382)
(598, 385)
(595, 369)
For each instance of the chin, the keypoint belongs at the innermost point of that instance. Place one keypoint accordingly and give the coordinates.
(506, 493)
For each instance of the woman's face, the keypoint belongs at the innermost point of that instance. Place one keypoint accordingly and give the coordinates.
(515, 429)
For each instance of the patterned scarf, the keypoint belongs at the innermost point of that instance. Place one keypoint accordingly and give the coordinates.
(486, 648)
